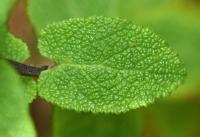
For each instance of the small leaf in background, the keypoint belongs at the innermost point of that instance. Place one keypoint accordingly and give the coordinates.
(14, 49)
(73, 124)
(13, 105)
(106, 65)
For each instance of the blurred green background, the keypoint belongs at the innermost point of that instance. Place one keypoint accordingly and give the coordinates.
(176, 21)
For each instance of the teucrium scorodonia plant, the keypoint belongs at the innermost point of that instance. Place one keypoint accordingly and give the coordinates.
(106, 65)
(103, 65)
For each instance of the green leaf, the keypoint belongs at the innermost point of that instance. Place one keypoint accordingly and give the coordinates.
(4, 9)
(97, 125)
(3, 31)
(43, 12)
(106, 65)
(25, 129)
(13, 105)
(30, 88)
(177, 23)
(13, 49)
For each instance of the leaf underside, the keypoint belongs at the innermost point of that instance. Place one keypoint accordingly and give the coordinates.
(106, 65)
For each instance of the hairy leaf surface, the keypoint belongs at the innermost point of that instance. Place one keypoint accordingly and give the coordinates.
(13, 48)
(30, 88)
(106, 65)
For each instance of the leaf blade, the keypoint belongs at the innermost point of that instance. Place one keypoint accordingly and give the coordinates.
(106, 65)
(14, 49)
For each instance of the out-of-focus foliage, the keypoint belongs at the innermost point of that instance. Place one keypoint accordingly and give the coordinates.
(175, 119)
(74, 124)
(13, 105)
(5, 6)
(24, 129)
(43, 12)
(3, 31)
(4, 9)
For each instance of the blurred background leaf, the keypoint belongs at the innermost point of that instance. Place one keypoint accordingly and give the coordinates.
(175, 119)
(4, 9)
(74, 124)
(5, 6)
(13, 105)
(43, 12)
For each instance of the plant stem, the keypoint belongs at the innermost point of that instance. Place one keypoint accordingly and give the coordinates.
(27, 70)
(21, 27)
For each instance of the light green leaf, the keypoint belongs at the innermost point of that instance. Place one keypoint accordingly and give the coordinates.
(29, 88)
(13, 105)
(106, 65)
(25, 129)
(3, 31)
(97, 125)
(4, 9)
(178, 22)
(43, 12)
(13, 49)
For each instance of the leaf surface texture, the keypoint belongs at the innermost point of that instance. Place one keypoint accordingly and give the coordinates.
(106, 65)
